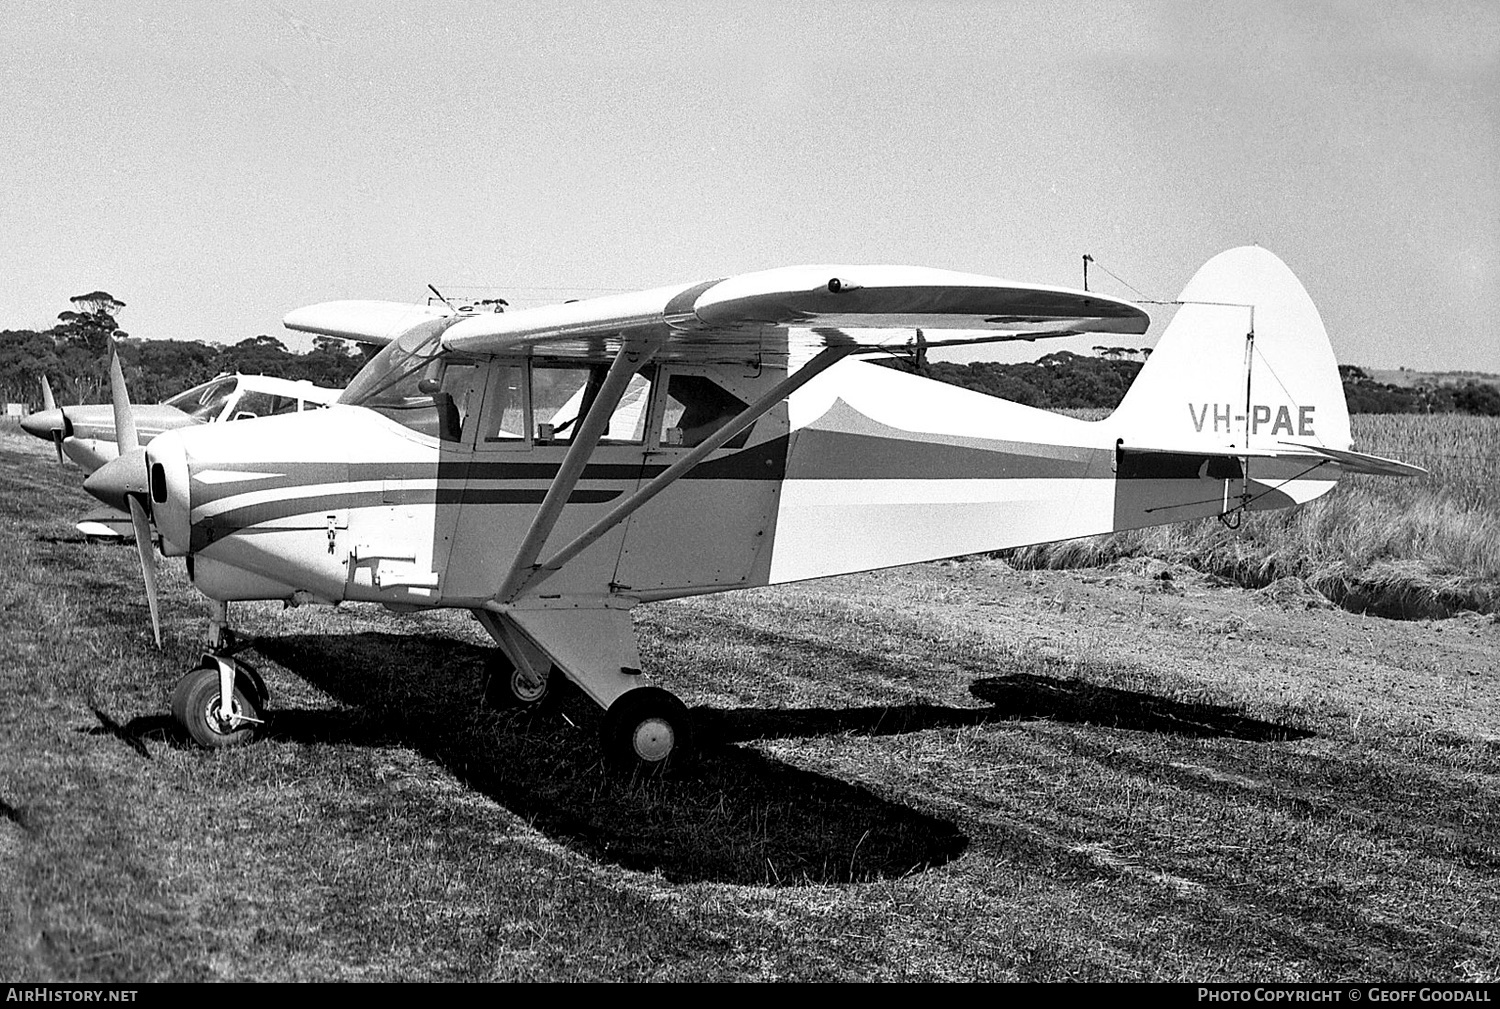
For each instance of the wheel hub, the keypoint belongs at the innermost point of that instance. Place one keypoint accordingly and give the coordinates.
(653, 740)
(527, 688)
(214, 716)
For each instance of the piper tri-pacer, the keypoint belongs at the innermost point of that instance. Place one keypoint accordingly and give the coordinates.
(550, 469)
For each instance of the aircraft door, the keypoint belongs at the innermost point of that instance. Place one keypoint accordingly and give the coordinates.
(532, 411)
(713, 527)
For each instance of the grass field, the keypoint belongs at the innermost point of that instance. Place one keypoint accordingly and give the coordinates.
(950, 771)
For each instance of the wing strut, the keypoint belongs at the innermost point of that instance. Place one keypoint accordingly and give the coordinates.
(620, 512)
(634, 352)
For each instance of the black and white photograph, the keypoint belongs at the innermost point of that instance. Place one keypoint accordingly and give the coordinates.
(757, 491)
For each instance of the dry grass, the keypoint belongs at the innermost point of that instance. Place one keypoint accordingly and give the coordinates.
(945, 772)
(1423, 547)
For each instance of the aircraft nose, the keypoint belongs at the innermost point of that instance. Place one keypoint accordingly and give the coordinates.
(42, 423)
(119, 477)
(171, 493)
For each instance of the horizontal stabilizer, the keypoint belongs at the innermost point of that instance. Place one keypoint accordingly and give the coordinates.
(1360, 462)
(1348, 460)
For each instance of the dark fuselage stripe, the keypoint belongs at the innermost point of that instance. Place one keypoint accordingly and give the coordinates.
(318, 507)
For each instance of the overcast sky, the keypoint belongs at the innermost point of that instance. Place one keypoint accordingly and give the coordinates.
(217, 165)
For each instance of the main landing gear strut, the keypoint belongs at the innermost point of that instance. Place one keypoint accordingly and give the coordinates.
(200, 696)
(645, 730)
(221, 701)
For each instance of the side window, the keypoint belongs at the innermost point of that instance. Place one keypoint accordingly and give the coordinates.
(458, 401)
(505, 407)
(695, 408)
(561, 396)
(261, 404)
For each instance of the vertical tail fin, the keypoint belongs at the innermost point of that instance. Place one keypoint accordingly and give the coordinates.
(1244, 365)
(1233, 405)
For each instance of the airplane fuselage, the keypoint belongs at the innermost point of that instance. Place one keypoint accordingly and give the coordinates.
(865, 467)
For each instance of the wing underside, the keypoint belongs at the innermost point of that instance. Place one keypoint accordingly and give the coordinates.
(793, 311)
(799, 311)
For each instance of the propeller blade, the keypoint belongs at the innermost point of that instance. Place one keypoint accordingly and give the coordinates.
(125, 434)
(148, 561)
(49, 401)
(57, 439)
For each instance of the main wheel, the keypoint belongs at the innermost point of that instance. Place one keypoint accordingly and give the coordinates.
(507, 685)
(647, 729)
(195, 705)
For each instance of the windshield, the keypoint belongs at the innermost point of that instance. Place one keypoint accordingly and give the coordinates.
(204, 402)
(398, 365)
(415, 384)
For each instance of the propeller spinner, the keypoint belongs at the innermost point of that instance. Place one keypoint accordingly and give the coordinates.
(50, 421)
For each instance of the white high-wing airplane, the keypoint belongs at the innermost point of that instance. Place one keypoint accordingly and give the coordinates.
(487, 462)
(86, 433)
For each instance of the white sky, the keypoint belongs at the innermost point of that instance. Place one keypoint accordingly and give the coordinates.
(217, 165)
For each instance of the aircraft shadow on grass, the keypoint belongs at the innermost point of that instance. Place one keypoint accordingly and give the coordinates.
(736, 816)
(1027, 695)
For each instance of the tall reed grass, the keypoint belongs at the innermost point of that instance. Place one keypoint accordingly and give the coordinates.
(1425, 546)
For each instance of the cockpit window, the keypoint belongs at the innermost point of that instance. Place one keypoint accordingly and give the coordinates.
(505, 410)
(205, 401)
(399, 363)
(412, 382)
(563, 394)
(696, 407)
(262, 404)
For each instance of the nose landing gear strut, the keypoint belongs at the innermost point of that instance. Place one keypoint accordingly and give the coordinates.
(220, 701)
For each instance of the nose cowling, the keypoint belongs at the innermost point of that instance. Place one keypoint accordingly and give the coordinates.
(120, 478)
(167, 478)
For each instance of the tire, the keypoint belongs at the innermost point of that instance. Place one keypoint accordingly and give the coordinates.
(647, 730)
(195, 706)
(507, 686)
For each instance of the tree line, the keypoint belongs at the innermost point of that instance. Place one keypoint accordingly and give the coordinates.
(74, 355)
(1064, 380)
(1366, 395)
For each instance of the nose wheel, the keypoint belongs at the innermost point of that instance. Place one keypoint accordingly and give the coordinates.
(197, 704)
(647, 730)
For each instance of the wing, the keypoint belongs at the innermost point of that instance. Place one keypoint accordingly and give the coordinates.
(373, 322)
(746, 317)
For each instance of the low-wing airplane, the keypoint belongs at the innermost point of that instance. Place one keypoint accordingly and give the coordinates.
(486, 462)
(86, 433)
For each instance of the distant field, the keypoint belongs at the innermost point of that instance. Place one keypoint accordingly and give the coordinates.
(953, 771)
(1428, 546)
(1408, 378)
